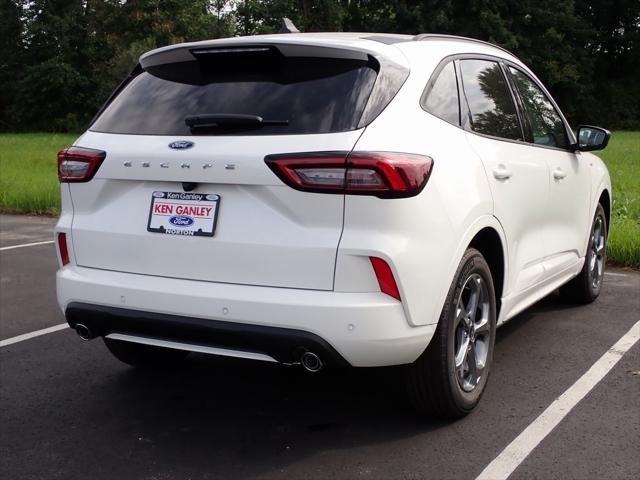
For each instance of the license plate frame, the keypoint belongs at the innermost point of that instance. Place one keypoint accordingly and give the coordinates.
(184, 213)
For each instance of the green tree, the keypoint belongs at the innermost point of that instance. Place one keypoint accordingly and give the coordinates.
(11, 61)
(587, 52)
(52, 96)
(265, 16)
(52, 92)
(613, 45)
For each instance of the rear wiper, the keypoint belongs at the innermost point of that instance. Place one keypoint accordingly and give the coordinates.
(229, 121)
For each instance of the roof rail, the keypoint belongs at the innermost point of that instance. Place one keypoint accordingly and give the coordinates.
(438, 36)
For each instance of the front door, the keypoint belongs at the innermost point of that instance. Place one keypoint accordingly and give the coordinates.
(569, 175)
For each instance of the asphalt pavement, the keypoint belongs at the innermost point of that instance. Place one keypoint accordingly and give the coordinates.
(69, 410)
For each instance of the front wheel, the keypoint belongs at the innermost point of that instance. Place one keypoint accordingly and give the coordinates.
(449, 378)
(586, 287)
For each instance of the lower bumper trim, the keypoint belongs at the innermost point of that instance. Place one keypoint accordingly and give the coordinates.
(258, 342)
(190, 347)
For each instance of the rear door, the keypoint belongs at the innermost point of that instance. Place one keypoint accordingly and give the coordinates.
(265, 233)
(518, 177)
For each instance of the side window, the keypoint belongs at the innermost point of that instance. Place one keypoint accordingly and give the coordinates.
(492, 111)
(546, 125)
(442, 98)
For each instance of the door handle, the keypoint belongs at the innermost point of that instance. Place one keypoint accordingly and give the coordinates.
(502, 173)
(559, 174)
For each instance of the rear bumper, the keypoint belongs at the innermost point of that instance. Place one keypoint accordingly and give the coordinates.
(359, 329)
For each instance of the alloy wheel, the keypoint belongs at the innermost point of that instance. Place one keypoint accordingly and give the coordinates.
(472, 332)
(596, 252)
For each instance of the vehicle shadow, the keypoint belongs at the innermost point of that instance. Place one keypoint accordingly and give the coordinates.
(239, 418)
(554, 302)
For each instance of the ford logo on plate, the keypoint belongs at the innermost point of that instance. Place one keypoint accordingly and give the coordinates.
(181, 221)
(181, 145)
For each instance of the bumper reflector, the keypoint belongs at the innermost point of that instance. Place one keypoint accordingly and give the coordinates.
(385, 277)
(63, 249)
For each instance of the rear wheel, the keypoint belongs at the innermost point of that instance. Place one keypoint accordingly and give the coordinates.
(449, 378)
(586, 287)
(140, 355)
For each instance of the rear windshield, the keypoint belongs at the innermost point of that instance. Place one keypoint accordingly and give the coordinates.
(301, 95)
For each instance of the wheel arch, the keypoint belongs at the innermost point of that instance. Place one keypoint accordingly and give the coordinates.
(605, 201)
(488, 242)
(486, 235)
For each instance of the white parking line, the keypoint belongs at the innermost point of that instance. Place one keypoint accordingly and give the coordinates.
(37, 333)
(2, 249)
(615, 274)
(515, 453)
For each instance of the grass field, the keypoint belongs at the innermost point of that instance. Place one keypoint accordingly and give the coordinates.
(622, 156)
(28, 172)
(28, 183)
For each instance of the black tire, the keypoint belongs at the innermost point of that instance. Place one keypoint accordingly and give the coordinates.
(586, 287)
(434, 384)
(140, 355)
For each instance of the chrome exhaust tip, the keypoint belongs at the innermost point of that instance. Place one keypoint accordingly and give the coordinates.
(311, 362)
(83, 332)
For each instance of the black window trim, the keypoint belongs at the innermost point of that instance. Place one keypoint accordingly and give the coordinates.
(517, 98)
(462, 102)
(525, 128)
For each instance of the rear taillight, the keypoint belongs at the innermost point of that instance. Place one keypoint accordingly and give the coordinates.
(386, 281)
(63, 248)
(77, 164)
(383, 174)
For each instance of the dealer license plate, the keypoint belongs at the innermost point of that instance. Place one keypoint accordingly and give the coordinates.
(183, 213)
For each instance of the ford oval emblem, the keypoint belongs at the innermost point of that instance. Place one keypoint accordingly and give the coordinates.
(181, 221)
(181, 145)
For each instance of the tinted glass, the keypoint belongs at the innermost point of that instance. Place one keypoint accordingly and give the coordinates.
(492, 111)
(314, 95)
(442, 99)
(546, 124)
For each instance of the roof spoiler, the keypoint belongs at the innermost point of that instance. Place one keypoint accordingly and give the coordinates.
(190, 52)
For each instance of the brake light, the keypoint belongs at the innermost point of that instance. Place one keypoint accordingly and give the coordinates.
(383, 174)
(385, 277)
(63, 249)
(77, 164)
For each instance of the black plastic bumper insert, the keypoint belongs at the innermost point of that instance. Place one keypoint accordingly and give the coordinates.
(283, 344)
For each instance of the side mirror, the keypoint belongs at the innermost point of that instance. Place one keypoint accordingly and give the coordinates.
(591, 138)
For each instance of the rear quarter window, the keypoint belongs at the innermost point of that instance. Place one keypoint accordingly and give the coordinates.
(314, 95)
(441, 97)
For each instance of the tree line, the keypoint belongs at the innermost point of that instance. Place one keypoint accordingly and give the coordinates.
(60, 59)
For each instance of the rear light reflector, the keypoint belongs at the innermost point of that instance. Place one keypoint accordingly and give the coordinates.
(77, 164)
(385, 277)
(322, 172)
(63, 249)
(383, 174)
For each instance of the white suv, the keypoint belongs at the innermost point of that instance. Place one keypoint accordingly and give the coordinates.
(329, 199)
